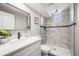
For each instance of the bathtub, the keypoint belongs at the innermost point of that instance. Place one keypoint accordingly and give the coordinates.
(58, 51)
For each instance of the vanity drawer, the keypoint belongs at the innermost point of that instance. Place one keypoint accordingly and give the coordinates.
(37, 52)
(29, 50)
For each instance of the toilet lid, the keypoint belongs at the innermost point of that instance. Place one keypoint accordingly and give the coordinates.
(45, 48)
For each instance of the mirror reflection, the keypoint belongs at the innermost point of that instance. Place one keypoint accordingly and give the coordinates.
(12, 18)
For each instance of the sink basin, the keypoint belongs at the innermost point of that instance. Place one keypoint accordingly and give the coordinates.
(16, 39)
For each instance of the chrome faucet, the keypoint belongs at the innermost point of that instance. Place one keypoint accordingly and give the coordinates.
(19, 34)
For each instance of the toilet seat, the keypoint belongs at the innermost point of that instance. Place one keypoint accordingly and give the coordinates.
(45, 49)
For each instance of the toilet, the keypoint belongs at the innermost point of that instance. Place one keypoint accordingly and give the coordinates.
(45, 50)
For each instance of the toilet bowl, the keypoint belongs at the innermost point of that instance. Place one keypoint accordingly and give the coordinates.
(45, 50)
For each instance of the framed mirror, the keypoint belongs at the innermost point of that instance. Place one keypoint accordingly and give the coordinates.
(21, 19)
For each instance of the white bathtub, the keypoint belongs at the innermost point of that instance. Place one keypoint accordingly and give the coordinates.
(58, 51)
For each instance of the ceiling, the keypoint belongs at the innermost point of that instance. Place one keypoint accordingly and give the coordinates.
(47, 9)
(10, 9)
(38, 8)
(47, 4)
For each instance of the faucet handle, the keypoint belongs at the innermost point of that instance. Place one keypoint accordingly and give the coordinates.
(19, 35)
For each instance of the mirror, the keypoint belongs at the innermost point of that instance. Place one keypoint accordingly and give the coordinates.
(17, 19)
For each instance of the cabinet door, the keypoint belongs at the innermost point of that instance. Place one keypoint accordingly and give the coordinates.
(37, 52)
(8, 21)
(31, 50)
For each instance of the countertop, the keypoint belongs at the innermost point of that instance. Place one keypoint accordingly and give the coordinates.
(12, 46)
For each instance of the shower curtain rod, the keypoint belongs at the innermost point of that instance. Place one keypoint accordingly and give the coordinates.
(58, 26)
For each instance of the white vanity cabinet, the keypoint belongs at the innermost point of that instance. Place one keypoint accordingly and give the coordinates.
(7, 20)
(30, 46)
(31, 50)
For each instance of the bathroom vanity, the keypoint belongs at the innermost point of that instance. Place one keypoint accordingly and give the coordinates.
(23, 47)
(15, 19)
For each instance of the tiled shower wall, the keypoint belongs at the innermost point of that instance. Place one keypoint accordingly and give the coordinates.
(59, 36)
(42, 31)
